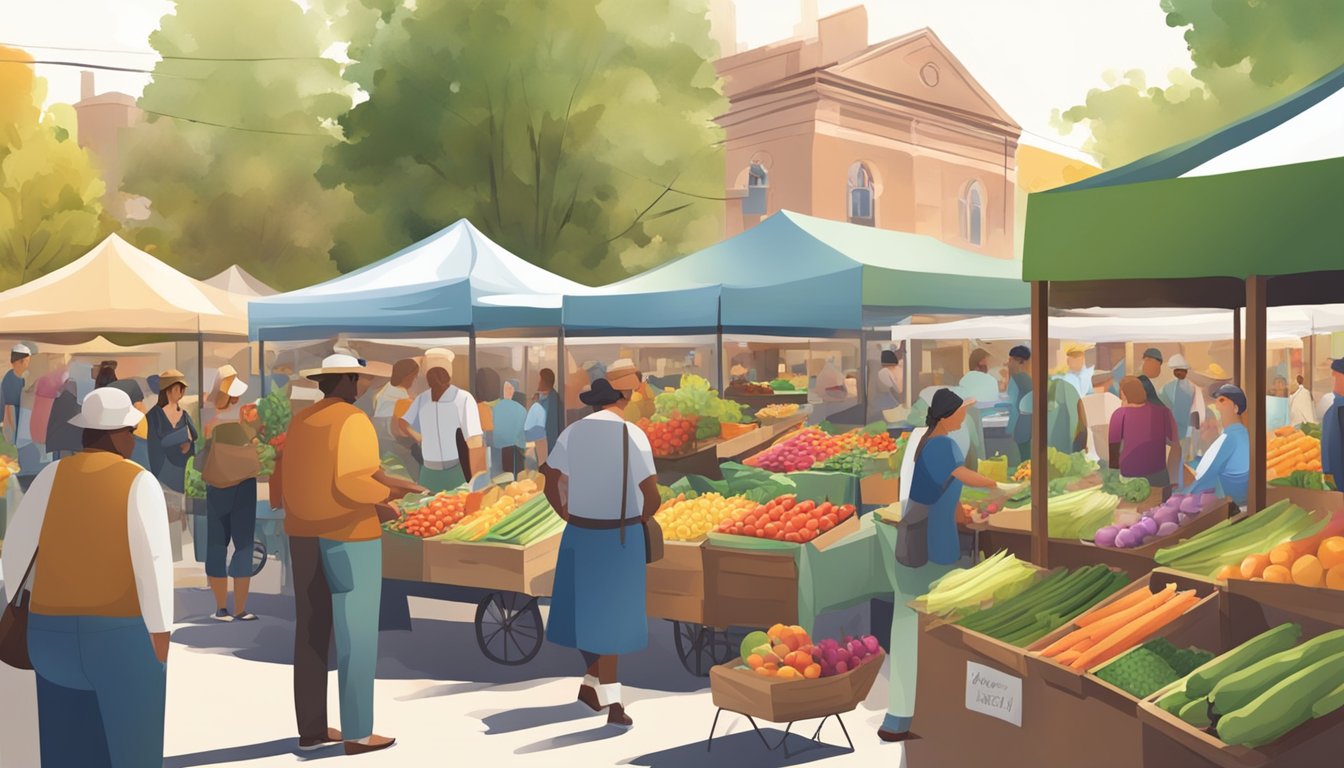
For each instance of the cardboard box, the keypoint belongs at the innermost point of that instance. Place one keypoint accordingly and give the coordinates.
(527, 570)
(879, 489)
(675, 585)
(403, 557)
(785, 701)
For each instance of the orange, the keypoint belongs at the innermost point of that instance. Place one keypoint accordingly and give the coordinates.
(1278, 574)
(1331, 552)
(1253, 566)
(788, 673)
(1229, 572)
(775, 631)
(1282, 554)
(781, 650)
(813, 671)
(1307, 572)
(763, 672)
(1334, 578)
(755, 661)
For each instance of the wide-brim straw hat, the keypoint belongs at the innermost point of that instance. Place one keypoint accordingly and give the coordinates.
(339, 364)
(623, 375)
(171, 377)
(1211, 375)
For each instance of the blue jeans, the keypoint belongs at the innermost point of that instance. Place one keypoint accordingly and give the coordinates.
(230, 517)
(100, 692)
(354, 571)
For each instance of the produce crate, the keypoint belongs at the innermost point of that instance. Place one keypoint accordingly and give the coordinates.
(1201, 615)
(1320, 501)
(754, 582)
(1318, 742)
(1213, 513)
(527, 570)
(786, 701)
(675, 585)
(403, 556)
(1314, 602)
(728, 430)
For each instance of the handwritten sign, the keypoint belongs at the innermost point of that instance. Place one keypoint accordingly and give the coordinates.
(991, 692)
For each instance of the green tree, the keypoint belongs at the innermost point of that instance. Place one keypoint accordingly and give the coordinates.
(579, 135)
(229, 149)
(51, 208)
(1246, 56)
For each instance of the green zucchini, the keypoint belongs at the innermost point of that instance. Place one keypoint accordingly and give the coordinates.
(1329, 702)
(1175, 701)
(1196, 713)
(1243, 686)
(1281, 638)
(1284, 707)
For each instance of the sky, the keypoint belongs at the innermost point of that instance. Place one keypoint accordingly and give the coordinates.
(1033, 56)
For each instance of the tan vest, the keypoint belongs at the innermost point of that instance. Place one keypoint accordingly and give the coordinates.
(84, 552)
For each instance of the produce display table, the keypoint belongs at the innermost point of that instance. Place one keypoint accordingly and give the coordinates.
(704, 459)
(757, 402)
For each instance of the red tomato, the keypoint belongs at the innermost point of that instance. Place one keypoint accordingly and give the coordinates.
(827, 523)
(749, 530)
(772, 529)
(813, 524)
(794, 537)
(807, 534)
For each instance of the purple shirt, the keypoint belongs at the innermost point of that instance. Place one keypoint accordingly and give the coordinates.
(1143, 434)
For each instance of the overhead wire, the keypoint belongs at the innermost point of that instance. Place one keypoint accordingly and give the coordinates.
(164, 56)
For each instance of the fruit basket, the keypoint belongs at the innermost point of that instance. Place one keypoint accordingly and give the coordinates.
(736, 688)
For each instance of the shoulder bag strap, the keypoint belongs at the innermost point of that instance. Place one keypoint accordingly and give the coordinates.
(625, 475)
(23, 585)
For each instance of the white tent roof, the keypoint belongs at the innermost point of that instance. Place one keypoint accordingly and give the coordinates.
(1285, 324)
(240, 282)
(117, 288)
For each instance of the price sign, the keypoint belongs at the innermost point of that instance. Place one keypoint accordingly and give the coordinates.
(994, 693)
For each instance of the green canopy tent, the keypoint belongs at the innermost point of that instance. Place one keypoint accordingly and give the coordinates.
(1244, 217)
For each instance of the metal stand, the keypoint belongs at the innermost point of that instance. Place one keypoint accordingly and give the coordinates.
(815, 740)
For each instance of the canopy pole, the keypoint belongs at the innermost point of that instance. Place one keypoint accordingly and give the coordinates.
(471, 361)
(722, 361)
(200, 380)
(862, 378)
(1040, 467)
(261, 366)
(1253, 379)
(561, 367)
(1236, 342)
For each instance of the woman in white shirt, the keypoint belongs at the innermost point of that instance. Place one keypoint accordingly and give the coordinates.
(92, 532)
(601, 479)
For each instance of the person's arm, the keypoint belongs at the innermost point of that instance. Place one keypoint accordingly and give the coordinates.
(410, 421)
(398, 487)
(1213, 468)
(972, 478)
(25, 528)
(1116, 435)
(652, 501)
(357, 463)
(151, 559)
(552, 490)
(1196, 409)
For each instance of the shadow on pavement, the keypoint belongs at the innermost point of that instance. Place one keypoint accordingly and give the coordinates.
(740, 749)
(433, 649)
(229, 755)
(601, 733)
(511, 720)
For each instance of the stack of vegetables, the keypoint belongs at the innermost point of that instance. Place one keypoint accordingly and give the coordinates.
(1131, 489)
(533, 521)
(1229, 543)
(431, 516)
(1259, 691)
(1152, 666)
(1311, 561)
(476, 525)
(689, 519)
(1108, 631)
(995, 578)
(695, 400)
(1079, 515)
(1292, 450)
(1046, 605)
(814, 447)
(273, 413)
(1155, 523)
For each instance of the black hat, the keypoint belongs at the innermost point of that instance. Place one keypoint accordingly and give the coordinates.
(601, 394)
(1232, 392)
(1337, 365)
(945, 403)
(890, 357)
(1020, 352)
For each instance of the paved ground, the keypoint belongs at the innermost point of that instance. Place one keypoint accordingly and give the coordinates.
(230, 702)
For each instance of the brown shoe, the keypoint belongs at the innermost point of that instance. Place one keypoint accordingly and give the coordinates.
(309, 743)
(376, 743)
(588, 695)
(616, 716)
(895, 736)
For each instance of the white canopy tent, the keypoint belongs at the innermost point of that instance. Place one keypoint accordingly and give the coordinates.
(1287, 327)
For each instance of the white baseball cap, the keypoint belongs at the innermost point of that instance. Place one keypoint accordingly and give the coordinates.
(1177, 363)
(107, 409)
(21, 349)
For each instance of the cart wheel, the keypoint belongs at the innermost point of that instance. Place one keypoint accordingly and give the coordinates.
(700, 647)
(258, 556)
(508, 628)
(728, 644)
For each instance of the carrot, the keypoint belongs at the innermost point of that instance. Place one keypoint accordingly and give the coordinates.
(1068, 657)
(1128, 601)
(1136, 631)
(1084, 645)
(1112, 622)
(1281, 431)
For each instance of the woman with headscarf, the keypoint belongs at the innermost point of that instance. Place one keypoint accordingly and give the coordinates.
(231, 511)
(609, 489)
(172, 443)
(937, 478)
(63, 438)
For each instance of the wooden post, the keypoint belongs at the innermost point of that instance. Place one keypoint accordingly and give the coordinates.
(561, 368)
(261, 366)
(1253, 383)
(1236, 342)
(1040, 468)
(862, 377)
(471, 361)
(200, 380)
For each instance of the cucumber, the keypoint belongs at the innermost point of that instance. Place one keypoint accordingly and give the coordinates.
(1284, 707)
(1281, 638)
(1175, 701)
(1242, 687)
(1329, 702)
(1196, 713)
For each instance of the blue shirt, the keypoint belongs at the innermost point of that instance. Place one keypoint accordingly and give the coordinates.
(1019, 429)
(1332, 441)
(1230, 465)
(11, 394)
(933, 472)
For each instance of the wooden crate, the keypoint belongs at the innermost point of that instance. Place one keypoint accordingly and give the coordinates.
(528, 570)
(749, 588)
(403, 557)
(675, 585)
(1319, 501)
(785, 701)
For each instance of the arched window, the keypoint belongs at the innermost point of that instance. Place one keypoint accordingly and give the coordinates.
(758, 181)
(860, 195)
(971, 210)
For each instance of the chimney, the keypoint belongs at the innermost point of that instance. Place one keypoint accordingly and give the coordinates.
(807, 23)
(843, 34)
(85, 85)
